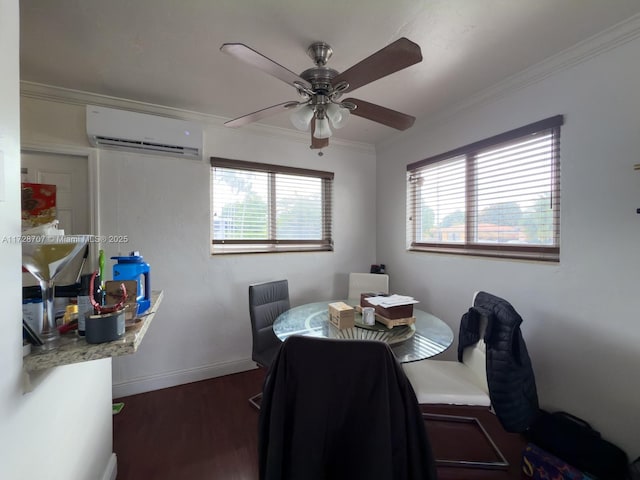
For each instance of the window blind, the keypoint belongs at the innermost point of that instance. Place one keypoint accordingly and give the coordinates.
(498, 197)
(269, 208)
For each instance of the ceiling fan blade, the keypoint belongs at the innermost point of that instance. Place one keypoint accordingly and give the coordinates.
(385, 116)
(260, 114)
(397, 55)
(317, 142)
(248, 55)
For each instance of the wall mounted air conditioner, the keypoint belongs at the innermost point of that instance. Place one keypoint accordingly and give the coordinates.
(142, 133)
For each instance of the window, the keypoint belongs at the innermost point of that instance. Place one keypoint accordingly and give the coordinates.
(259, 208)
(496, 197)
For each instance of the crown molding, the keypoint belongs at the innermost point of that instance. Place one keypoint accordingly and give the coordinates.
(609, 39)
(41, 91)
(620, 34)
(69, 96)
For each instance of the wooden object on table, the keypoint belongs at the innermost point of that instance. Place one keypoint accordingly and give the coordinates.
(392, 322)
(391, 313)
(341, 315)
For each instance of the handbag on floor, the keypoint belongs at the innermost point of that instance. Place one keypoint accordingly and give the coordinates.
(573, 440)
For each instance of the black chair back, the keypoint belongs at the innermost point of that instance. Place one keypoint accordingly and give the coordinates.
(266, 301)
(340, 410)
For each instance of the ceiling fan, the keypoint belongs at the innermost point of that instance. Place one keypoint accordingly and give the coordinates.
(322, 87)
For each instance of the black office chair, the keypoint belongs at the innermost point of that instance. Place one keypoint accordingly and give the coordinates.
(266, 301)
(340, 409)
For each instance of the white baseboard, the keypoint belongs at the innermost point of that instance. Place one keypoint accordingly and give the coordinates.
(171, 379)
(111, 472)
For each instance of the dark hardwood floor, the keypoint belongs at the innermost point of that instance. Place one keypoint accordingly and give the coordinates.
(208, 430)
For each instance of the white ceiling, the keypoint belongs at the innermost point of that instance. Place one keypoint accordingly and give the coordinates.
(166, 52)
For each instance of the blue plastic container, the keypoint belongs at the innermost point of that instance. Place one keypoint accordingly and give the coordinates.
(133, 267)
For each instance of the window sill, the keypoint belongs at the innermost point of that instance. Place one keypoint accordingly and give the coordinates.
(537, 256)
(281, 249)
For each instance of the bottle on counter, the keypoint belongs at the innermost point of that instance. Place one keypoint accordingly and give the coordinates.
(133, 267)
(84, 303)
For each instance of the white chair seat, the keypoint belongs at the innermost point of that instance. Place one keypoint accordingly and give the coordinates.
(446, 382)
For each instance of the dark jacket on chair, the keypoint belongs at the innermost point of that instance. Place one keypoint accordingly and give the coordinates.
(512, 384)
(340, 410)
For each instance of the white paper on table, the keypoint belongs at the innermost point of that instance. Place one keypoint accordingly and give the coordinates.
(391, 300)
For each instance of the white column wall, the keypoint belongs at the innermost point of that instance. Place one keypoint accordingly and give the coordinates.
(62, 429)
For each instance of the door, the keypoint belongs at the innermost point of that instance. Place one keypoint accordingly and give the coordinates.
(70, 175)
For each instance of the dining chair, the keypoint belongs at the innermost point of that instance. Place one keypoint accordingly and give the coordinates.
(266, 301)
(457, 383)
(340, 409)
(494, 370)
(367, 282)
(453, 382)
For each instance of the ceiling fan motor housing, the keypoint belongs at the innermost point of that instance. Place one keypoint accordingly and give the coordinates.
(320, 76)
(320, 80)
(320, 53)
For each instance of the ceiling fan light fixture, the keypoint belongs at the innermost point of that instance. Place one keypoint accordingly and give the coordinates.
(338, 115)
(322, 128)
(301, 117)
(333, 113)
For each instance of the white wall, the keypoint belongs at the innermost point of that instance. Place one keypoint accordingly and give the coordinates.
(62, 429)
(581, 315)
(162, 204)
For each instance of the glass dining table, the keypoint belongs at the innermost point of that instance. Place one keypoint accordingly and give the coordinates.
(426, 337)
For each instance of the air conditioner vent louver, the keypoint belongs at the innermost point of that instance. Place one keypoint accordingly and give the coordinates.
(142, 133)
(140, 145)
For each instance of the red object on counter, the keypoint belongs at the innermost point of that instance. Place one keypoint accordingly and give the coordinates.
(67, 327)
(100, 309)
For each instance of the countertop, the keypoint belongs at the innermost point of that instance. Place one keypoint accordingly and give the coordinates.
(75, 349)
